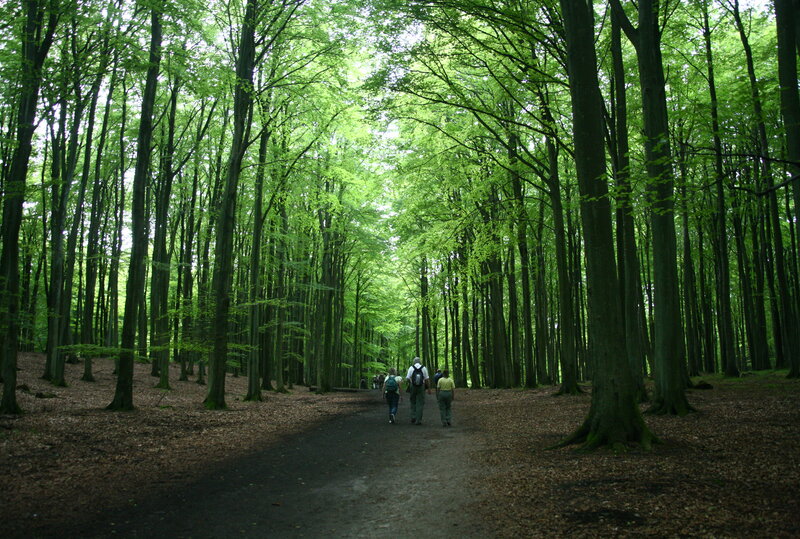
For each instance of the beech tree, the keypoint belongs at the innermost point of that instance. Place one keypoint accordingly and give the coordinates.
(614, 417)
(223, 250)
(786, 19)
(134, 290)
(670, 396)
(36, 35)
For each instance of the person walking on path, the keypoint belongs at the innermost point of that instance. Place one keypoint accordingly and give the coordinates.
(391, 392)
(445, 392)
(419, 383)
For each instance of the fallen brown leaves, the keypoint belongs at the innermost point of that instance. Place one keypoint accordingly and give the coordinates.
(730, 470)
(67, 457)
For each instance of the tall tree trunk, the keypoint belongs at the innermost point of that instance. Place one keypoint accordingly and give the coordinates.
(785, 15)
(499, 357)
(202, 325)
(761, 355)
(77, 223)
(669, 350)
(281, 295)
(123, 395)
(424, 312)
(709, 344)
(59, 195)
(223, 250)
(521, 226)
(71, 253)
(542, 346)
(324, 317)
(513, 318)
(626, 231)
(750, 313)
(690, 308)
(41, 19)
(161, 272)
(777, 307)
(88, 337)
(187, 320)
(727, 345)
(614, 418)
(568, 355)
(111, 337)
(65, 158)
(469, 356)
(254, 359)
(67, 337)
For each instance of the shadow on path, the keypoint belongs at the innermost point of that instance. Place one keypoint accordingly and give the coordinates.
(353, 476)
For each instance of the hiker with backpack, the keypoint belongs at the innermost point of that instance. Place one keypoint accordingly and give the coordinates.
(391, 392)
(418, 382)
(436, 377)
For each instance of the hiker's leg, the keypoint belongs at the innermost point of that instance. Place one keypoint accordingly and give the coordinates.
(442, 407)
(417, 402)
(448, 407)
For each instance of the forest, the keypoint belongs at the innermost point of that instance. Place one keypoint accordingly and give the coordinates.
(308, 192)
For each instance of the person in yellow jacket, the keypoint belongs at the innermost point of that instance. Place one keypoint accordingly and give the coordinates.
(445, 393)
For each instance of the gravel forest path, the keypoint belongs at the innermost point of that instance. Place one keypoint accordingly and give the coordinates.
(354, 476)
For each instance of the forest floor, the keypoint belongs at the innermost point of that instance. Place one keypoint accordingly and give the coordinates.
(302, 465)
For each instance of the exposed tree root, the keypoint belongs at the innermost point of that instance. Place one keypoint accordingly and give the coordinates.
(213, 405)
(117, 406)
(665, 407)
(569, 390)
(593, 435)
(10, 409)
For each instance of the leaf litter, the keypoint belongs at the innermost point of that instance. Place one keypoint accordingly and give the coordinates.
(729, 470)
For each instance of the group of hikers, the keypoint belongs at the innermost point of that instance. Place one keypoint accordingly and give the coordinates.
(418, 383)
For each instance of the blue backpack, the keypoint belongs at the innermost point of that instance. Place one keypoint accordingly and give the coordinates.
(391, 384)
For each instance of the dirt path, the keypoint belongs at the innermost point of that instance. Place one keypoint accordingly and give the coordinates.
(354, 476)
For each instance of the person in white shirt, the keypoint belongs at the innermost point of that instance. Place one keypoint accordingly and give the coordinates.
(419, 383)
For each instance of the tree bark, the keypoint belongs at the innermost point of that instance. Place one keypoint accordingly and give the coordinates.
(785, 15)
(281, 296)
(614, 419)
(727, 338)
(88, 337)
(254, 314)
(669, 350)
(123, 395)
(41, 19)
(160, 272)
(521, 225)
(223, 250)
(626, 232)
